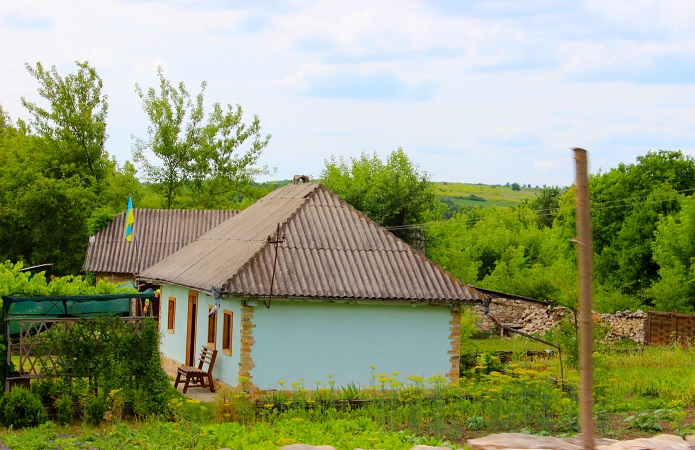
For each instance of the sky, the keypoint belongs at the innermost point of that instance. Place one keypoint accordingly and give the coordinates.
(488, 92)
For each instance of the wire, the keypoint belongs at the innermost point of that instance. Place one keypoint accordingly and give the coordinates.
(546, 212)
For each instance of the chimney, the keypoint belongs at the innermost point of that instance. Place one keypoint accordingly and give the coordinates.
(299, 179)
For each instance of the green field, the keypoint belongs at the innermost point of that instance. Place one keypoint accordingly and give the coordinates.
(465, 195)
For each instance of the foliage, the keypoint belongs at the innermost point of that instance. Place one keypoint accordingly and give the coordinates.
(21, 408)
(203, 157)
(650, 421)
(55, 171)
(99, 219)
(635, 392)
(64, 409)
(674, 252)
(95, 407)
(504, 250)
(395, 194)
(17, 283)
(627, 205)
(75, 121)
(113, 354)
(637, 229)
(566, 335)
(341, 433)
(546, 204)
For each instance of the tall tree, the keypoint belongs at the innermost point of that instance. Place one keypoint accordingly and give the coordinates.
(627, 204)
(42, 216)
(75, 119)
(395, 194)
(206, 158)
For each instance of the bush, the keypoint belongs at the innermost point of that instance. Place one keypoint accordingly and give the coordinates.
(564, 334)
(21, 408)
(46, 389)
(95, 406)
(64, 409)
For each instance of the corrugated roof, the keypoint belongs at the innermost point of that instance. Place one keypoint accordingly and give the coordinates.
(330, 250)
(157, 233)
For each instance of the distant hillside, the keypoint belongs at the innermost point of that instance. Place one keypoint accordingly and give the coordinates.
(462, 195)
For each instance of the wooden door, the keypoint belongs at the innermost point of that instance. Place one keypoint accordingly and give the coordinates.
(191, 328)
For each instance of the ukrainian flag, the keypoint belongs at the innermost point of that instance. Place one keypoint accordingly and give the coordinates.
(129, 220)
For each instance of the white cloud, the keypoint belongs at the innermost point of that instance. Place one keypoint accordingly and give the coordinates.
(478, 91)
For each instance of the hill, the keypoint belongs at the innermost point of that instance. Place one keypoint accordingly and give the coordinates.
(462, 195)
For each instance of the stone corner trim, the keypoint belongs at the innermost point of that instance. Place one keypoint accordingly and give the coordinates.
(246, 364)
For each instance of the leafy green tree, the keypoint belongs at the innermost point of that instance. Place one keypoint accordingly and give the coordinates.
(546, 204)
(674, 252)
(74, 121)
(43, 211)
(395, 195)
(5, 121)
(203, 159)
(627, 204)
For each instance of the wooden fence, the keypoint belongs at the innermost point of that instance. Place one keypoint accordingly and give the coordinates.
(665, 328)
(30, 354)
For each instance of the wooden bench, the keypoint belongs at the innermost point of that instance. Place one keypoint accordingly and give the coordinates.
(199, 376)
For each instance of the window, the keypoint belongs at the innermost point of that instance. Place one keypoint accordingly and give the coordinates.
(171, 314)
(227, 332)
(212, 327)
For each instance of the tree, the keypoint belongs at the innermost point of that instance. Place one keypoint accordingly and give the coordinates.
(627, 204)
(674, 252)
(202, 157)
(75, 120)
(546, 204)
(395, 195)
(5, 121)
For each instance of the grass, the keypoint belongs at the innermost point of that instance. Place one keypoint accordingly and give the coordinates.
(636, 394)
(514, 344)
(481, 195)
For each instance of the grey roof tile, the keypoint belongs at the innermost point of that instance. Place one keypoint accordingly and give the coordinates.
(157, 234)
(330, 251)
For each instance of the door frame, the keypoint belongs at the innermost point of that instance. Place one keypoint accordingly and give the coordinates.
(191, 327)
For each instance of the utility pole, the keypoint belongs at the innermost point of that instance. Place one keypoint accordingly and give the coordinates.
(586, 335)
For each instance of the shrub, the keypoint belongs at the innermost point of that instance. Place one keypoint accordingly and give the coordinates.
(46, 389)
(64, 409)
(95, 406)
(564, 334)
(21, 408)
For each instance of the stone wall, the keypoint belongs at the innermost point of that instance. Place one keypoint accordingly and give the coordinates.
(511, 311)
(537, 318)
(626, 324)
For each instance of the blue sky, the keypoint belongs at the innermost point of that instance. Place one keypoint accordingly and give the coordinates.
(473, 91)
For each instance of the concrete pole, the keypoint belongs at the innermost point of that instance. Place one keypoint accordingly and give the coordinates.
(586, 335)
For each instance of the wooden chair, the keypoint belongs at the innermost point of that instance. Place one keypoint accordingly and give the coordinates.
(198, 375)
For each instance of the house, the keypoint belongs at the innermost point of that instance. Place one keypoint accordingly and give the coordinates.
(157, 234)
(301, 285)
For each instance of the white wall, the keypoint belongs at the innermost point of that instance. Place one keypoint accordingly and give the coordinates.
(173, 346)
(309, 340)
